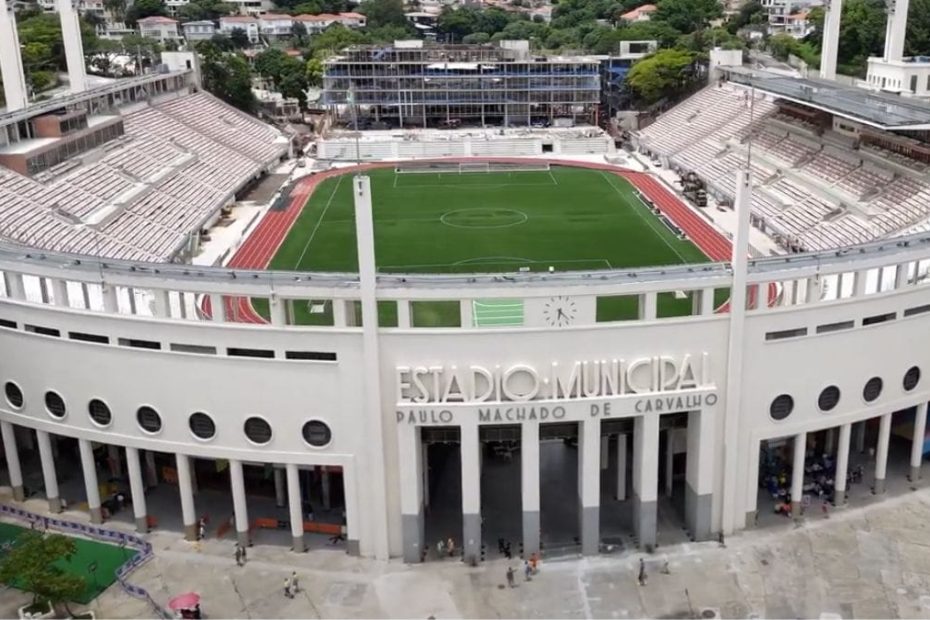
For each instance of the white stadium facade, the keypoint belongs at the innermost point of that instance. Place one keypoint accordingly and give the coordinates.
(110, 343)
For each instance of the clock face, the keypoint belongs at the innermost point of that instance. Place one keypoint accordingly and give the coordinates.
(560, 311)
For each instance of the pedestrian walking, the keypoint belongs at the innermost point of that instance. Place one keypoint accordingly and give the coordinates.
(238, 555)
(665, 569)
(510, 576)
(244, 556)
(450, 546)
(441, 547)
(287, 588)
(294, 585)
(642, 572)
(201, 529)
(527, 571)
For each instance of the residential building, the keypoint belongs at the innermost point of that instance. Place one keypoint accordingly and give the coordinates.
(246, 23)
(316, 24)
(639, 14)
(412, 83)
(199, 30)
(174, 6)
(160, 28)
(274, 25)
(251, 7)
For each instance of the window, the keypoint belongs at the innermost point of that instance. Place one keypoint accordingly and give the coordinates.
(317, 434)
(835, 327)
(257, 430)
(148, 419)
(55, 405)
(878, 318)
(786, 333)
(829, 398)
(202, 425)
(911, 378)
(872, 389)
(14, 395)
(781, 407)
(99, 412)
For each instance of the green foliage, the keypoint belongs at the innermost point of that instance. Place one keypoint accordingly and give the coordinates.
(314, 72)
(686, 16)
(227, 75)
(751, 13)
(476, 38)
(702, 41)
(288, 74)
(662, 74)
(199, 10)
(144, 8)
(334, 38)
(239, 38)
(31, 565)
(457, 23)
(384, 13)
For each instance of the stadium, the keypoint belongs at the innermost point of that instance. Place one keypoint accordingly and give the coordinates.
(469, 334)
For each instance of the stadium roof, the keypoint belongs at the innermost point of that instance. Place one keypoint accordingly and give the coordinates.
(888, 112)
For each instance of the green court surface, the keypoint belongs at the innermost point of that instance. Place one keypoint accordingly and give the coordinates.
(106, 557)
(566, 219)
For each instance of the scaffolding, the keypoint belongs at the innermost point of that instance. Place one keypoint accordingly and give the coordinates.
(429, 85)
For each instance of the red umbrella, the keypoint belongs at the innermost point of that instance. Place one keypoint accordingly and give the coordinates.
(184, 601)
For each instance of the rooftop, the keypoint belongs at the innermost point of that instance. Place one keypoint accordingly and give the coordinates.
(157, 19)
(887, 112)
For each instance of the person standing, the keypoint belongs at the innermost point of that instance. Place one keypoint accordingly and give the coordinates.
(238, 555)
(642, 572)
(450, 546)
(201, 529)
(287, 588)
(527, 571)
(510, 576)
(534, 561)
(294, 585)
(244, 556)
(441, 547)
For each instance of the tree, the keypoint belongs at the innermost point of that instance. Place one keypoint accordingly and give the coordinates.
(32, 564)
(239, 38)
(307, 8)
(335, 37)
(199, 10)
(227, 75)
(750, 13)
(476, 38)
(384, 13)
(664, 73)
(686, 16)
(116, 8)
(144, 8)
(314, 72)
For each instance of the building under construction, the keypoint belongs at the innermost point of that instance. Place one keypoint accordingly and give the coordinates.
(418, 84)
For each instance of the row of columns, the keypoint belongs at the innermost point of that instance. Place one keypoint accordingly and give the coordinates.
(288, 479)
(590, 442)
(842, 456)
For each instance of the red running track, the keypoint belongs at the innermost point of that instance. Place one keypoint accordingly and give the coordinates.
(261, 245)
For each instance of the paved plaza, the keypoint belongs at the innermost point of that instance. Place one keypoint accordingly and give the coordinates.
(858, 563)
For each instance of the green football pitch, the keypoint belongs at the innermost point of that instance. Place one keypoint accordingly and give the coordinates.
(103, 558)
(567, 219)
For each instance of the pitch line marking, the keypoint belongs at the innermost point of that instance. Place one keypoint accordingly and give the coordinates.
(442, 219)
(320, 221)
(552, 177)
(645, 219)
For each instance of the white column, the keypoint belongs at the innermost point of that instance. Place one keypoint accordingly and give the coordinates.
(900, 275)
(162, 304)
(11, 60)
(645, 478)
(842, 465)
(411, 509)
(280, 490)
(110, 300)
(831, 39)
(881, 453)
(797, 474)
(917, 443)
(699, 473)
(48, 471)
(325, 481)
(60, 292)
(294, 506)
(372, 459)
(339, 312)
(859, 282)
(471, 493)
(188, 514)
(733, 405)
(74, 47)
(895, 30)
(669, 461)
(137, 489)
(529, 486)
(589, 464)
(12, 458)
(403, 313)
(621, 467)
(15, 289)
(278, 310)
(217, 308)
(707, 301)
(90, 480)
(240, 507)
(467, 313)
(647, 306)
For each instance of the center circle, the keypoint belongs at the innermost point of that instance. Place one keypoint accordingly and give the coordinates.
(483, 217)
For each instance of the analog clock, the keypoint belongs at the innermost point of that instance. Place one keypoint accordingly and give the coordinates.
(560, 311)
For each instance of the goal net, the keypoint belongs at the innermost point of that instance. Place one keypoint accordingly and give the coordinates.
(469, 167)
